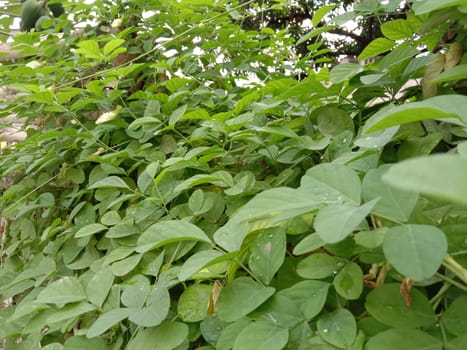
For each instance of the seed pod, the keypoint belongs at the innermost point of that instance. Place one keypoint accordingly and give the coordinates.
(40, 21)
(31, 11)
(56, 8)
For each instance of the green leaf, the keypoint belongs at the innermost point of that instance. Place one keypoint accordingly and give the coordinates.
(267, 254)
(398, 55)
(376, 47)
(318, 266)
(371, 239)
(334, 223)
(53, 346)
(421, 7)
(196, 262)
(193, 303)
(109, 182)
(314, 33)
(403, 338)
(338, 328)
(387, 305)
(333, 121)
(146, 178)
(136, 293)
(167, 336)
(158, 305)
(265, 210)
(106, 321)
(89, 230)
(396, 29)
(282, 310)
(111, 218)
(63, 291)
(349, 281)
(230, 333)
(80, 343)
(99, 286)
(320, 13)
(441, 176)
(308, 244)
(343, 72)
(393, 204)
(261, 336)
(416, 251)
(330, 183)
(122, 267)
(455, 73)
(165, 232)
(454, 319)
(458, 343)
(240, 297)
(111, 46)
(446, 106)
(309, 296)
(90, 49)
(70, 312)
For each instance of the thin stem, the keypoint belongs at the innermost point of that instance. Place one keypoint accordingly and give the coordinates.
(439, 296)
(456, 268)
(452, 282)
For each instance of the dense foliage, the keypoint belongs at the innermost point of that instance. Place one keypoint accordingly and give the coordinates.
(180, 188)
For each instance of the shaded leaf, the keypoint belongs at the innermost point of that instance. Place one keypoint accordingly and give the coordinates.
(240, 297)
(446, 106)
(267, 254)
(387, 305)
(309, 296)
(261, 336)
(193, 303)
(335, 223)
(393, 204)
(416, 251)
(376, 47)
(338, 328)
(349, 281)
(403, 338)
(63, 291)
(166, 336)
(109, 182)
(440, 176)
(106, 321)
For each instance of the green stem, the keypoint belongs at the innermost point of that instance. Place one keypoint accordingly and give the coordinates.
(455, 267)
(452, 282)
(439, 296)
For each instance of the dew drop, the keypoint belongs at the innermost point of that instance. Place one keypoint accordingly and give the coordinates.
(344, 140)
(325, 330)
(333, 273)
(340, 263)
